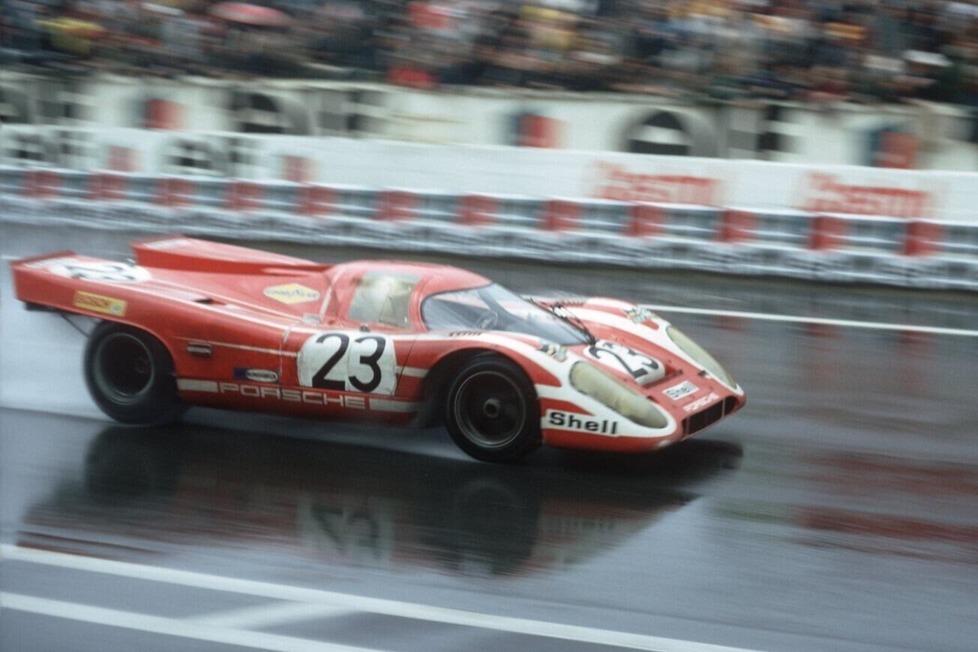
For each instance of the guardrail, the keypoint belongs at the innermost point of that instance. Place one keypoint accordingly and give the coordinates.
(817, 246)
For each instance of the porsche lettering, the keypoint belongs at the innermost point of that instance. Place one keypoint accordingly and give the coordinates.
(702, 402)
(307, 396)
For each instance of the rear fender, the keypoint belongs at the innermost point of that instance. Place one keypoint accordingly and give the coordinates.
(44, 291)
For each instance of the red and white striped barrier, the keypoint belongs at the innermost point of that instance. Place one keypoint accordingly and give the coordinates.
(818, 246)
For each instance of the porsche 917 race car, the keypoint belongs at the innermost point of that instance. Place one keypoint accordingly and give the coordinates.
(194, 322)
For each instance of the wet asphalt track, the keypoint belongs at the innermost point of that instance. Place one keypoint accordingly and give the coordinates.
(838, 511)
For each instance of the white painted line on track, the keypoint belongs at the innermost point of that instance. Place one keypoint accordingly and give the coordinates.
(380, 606)
(270, 615)
(169, 626)
(791, 319)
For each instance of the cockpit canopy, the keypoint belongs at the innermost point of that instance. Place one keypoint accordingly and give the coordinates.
(493, 307)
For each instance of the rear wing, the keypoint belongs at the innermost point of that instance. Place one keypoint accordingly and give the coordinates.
(177, 252)
(137, 292)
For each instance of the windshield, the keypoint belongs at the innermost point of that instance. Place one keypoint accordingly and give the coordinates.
(493, 307)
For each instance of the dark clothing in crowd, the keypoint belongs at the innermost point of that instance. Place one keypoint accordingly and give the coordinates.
(800, 50)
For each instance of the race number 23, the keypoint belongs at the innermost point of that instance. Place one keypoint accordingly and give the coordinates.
(348, 362)
(639, 366)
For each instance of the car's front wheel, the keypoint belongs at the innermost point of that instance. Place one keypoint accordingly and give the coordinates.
(130, 376)
(492, 411)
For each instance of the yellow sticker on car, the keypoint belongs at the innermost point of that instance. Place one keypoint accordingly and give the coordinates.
(291, 293)
(99, 303)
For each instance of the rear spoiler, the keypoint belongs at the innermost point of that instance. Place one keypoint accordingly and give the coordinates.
(181, 253)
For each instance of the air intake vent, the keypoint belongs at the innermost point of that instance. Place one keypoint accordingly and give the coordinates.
(708, 417)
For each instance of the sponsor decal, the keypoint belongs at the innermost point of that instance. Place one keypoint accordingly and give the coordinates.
(701, 402)
(291, 293)
(98, 303)
(200, 349)
(677, 392)
(256, 375)
(826, 193)
(581, 423)
(640, 315)
(616, 182)
(555, 351)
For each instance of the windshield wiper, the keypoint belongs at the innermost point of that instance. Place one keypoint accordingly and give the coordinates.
(561, 312)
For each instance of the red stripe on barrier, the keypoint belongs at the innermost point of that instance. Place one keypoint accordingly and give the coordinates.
(397, 205)
(923, 238)
(737, 226)
(109, 186)
(244, 195)
(316, 200)
(41, 184)
(176, 192)
(476, 210)
(561, 215)
(647, 220)
(828, 232)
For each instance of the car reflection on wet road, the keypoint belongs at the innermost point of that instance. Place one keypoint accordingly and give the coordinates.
(344, 504)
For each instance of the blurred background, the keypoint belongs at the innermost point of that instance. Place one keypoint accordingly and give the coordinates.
(815, 51)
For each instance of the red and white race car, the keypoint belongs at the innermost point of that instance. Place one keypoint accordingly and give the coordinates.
(192, 322)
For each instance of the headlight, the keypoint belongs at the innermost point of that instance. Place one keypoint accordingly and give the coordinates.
(608, 390)
(699, 354)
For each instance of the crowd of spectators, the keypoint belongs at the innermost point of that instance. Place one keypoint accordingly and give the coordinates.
(819, 51)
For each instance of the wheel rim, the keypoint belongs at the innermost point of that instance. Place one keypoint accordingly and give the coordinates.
(489, 409)
(124, 370)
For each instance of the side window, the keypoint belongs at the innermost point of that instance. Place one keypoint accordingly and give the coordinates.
(383, 298)
(454, 310)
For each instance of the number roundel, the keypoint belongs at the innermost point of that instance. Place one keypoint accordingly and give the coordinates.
(642, 368)
(348, 362)
(101, 270)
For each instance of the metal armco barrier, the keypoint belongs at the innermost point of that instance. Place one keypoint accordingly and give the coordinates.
(736, 240)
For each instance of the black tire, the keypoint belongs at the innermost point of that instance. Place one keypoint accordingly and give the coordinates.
(130, 376)
(492, 412)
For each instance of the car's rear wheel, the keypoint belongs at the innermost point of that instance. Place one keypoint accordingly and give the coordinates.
(130, 376)
(492, 411)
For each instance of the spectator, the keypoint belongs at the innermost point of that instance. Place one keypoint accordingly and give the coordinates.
(821, 51)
